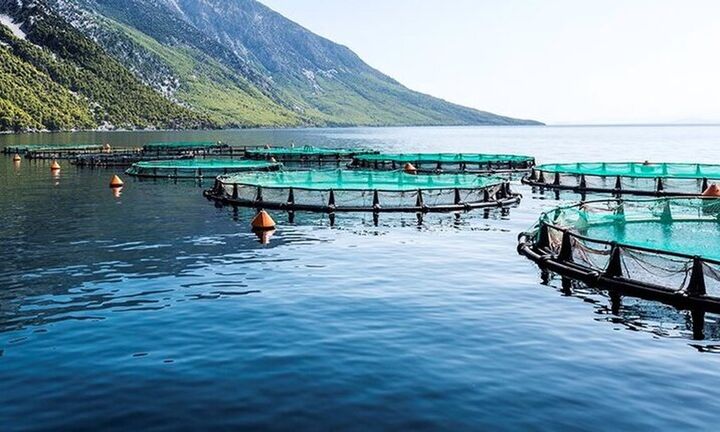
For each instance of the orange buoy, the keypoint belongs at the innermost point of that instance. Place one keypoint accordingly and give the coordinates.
(410, 168)
(116, 182)
(263, 222)
(713, 191)
(54, 166)
(16, 158)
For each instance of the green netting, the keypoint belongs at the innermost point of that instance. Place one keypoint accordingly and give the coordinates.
(198, 167)
(636, 169)
(180, 145)
(390, 181)
(688, 226)
(305, 151)
(470, 158)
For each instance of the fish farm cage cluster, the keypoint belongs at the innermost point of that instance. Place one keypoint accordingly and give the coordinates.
(653, 179)
(666, 249)
(352, 191)
(445, 162)
(55, 152)
(103, 155)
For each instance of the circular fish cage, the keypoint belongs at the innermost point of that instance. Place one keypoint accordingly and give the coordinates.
(633, 178)
(665, 249)
(445, 162)
(197, 168)
(180, 146)
(361, 191)
(306, 156)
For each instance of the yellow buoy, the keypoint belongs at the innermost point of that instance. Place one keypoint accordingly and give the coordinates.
(263, 222)
(116, 182)
(410, 168)
(54, 166)
(16, 158)
(713, 191)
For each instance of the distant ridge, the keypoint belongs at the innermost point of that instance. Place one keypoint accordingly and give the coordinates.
(78, 64)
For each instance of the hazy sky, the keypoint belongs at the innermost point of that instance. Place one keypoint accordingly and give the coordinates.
(560, 61)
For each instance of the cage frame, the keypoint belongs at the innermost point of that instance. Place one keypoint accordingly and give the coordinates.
(535, 246)
(497, 195)
(549, 179)
(306, 155)
(501, 164)
(180, 172)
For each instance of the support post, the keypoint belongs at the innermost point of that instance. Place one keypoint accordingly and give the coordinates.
(696, 287)
(419, 203)
(543, 241)
(541, 178)
(376, 200)
(705, 185)
(660, 186)
(235, 191)
(566, 253)
(259, 196)
(614, 267)
(556, 182)
(291, 197)
(331, 200)
(618, 183)
(458, 201)
(583, 182)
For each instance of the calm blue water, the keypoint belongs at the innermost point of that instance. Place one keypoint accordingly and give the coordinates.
(156, 310)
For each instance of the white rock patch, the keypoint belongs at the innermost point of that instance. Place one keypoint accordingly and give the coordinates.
(13, 26)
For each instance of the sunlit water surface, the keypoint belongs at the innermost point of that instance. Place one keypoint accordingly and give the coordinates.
(156, 310)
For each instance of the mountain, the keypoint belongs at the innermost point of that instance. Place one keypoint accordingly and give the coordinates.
(53, 77)
(192, 63)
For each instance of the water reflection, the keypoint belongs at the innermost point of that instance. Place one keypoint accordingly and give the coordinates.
(639, 315)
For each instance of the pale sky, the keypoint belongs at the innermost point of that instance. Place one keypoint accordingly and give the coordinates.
(558, 61)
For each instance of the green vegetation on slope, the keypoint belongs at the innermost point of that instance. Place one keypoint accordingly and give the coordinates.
(59, 79)
(29, 99)
(214, 89)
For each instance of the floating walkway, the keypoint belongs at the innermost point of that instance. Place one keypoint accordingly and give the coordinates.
(665, 249)
(652, 179)
(197, 168)
(445, 162)
(361, 191)
(306, 155)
